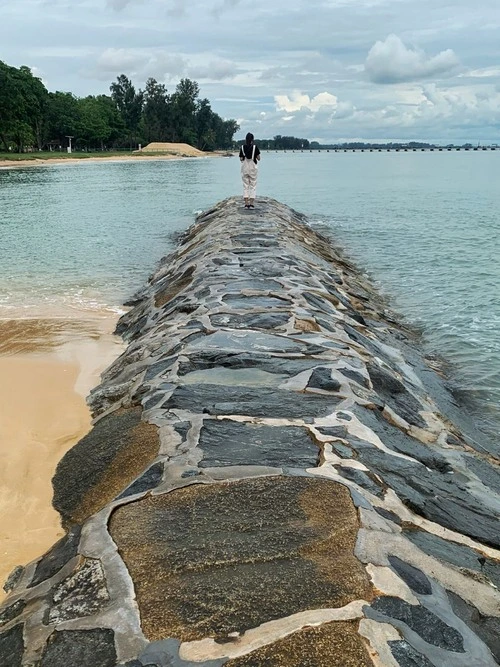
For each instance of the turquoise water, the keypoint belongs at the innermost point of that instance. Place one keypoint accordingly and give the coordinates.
(424, 226)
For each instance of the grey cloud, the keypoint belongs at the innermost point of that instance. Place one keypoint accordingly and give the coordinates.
(224, 6)
(392, 62)
(118, 5)
(216, 70)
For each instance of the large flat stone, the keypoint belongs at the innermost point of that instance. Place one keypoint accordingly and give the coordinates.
(397, 440)
(488, 473)
(12, 647)
(103, 463)
(227, 443)
(438, 497)
(60, 554)
(255, 302)
(422, 621)
(330, 645)
(268, 320)
(486, 628)
(11, 612)
(253, 402)
(228, 557)
(81, 594)
(412, 576)
(457, 554)
(208, 359)
(85, 648)
(407, 656)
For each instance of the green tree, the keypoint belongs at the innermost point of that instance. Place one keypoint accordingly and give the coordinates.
(100, 122)
(129, 104)
(62, 118)
(184, 111)
(22, 105)
(156, 115)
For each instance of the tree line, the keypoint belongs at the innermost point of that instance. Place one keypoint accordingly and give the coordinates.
(32, 118)
(281, 143)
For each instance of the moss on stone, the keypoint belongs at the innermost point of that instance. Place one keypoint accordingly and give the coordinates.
(208, 560)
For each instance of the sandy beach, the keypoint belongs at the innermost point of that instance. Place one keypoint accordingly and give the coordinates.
(47, 368)
(175, 152)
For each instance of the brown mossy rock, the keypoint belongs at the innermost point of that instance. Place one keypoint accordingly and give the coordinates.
(103, 463)
(334, 644)
(209, 560)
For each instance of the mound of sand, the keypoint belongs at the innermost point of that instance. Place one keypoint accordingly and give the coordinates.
(176, 149)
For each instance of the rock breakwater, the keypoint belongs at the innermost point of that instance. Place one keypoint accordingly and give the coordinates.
(275, 477)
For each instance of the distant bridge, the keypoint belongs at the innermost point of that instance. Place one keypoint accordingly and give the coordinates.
(434, 149)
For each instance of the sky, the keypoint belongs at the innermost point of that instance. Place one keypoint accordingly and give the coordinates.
(324, 70)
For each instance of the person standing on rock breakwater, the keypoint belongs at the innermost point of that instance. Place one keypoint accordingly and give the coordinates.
(249, 156)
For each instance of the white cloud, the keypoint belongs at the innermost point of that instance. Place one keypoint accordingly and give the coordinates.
(297, 101)
(391, 61)
(120, 60)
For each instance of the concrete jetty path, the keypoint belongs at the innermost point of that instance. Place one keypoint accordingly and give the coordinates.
(275, 477)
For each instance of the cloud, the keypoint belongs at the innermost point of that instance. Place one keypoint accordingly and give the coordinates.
(215, 70)
(298, 101)
(118, 5)
(224, 6)
(392, 62)
(119, 60)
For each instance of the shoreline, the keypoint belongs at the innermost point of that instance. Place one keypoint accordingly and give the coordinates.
(48, 367)
(44, 162)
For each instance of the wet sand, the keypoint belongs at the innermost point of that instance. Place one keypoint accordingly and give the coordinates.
(47, 368)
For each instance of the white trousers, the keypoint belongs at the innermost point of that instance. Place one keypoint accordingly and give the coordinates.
(249, 177)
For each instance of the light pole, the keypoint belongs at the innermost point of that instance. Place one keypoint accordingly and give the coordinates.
(69, 147)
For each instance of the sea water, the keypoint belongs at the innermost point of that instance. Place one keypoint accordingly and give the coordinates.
(425, 227)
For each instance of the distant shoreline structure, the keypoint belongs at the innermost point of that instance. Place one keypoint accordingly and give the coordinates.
(384, 148)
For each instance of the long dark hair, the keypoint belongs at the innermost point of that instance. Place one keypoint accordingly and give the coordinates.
(249, 139)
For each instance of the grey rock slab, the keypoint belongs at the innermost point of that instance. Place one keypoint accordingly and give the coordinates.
(407, 656)
(334, 431)
(250, 321)
(456, 554)
(13, 579)
(85, 648)
(208, 359)
(62, 552)
(227, 443)
(12, 647)
(412, 576)
(318, 303)
(361, 478)
(159, 367)
(255, 302)
(182, 429)
(242, 377)
(261, 284)
(150, 480)
(321, 378)
(435, 496)
(488, 473)
(356, 377)
(249, 401)
(249, 341)
(342, 451)
(397, 440)
(11, 612)
(79, 595)
(387, 514)
(486, 628)
(423, 622)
